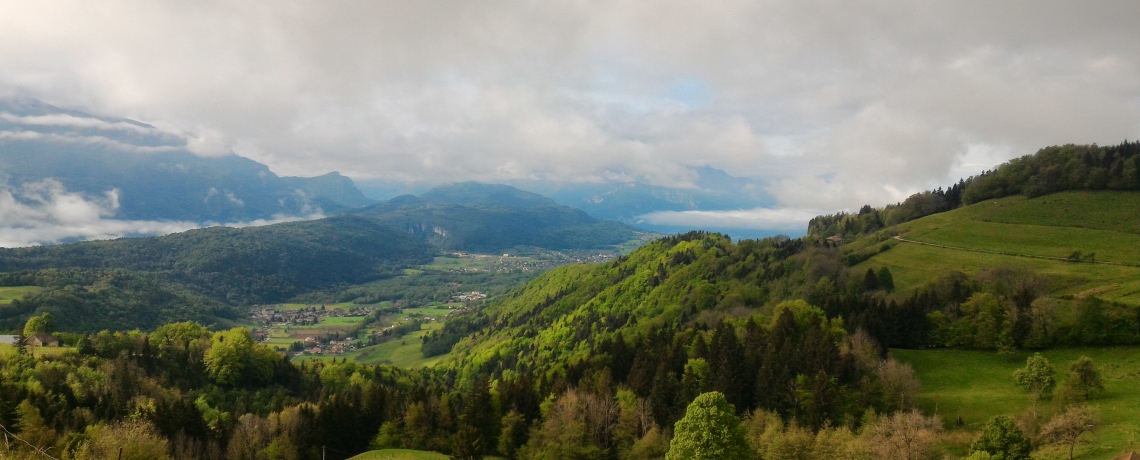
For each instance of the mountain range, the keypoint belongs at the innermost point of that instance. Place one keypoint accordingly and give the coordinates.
(150, 174)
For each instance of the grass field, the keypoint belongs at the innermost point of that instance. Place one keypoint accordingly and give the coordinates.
(405, 454)
(9, 350)
(1104, 223)
(8, 294)
(979, 385)
(298, 306)
(402, 352)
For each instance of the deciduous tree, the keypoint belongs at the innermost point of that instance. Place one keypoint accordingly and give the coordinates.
(709, 430)
(1067, 427)
(1002, 439)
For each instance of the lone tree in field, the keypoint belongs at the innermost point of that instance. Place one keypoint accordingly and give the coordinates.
(1003, 439)
(1084, 378)
(710, 430)
(1036, 377)
(1067, 427)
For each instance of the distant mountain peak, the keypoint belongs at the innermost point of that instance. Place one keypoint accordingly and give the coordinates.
(476, 193)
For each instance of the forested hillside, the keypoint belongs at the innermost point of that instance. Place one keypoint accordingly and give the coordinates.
(493, 218)
(191, 274)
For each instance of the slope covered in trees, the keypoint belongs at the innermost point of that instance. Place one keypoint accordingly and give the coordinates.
(244, 265)
(200, 274)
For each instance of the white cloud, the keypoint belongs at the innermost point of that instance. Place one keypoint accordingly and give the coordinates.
(69, 121)
(45, 212)
(758, 218)
(834, 104)
(86, 140)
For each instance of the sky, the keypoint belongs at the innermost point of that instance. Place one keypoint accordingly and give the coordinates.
(831, 105)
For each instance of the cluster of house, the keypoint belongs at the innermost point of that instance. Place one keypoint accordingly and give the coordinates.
(271, 316)
(39, 339)
(468, 296)
(333, 347)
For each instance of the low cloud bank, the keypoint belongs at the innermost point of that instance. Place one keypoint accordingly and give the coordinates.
(752, 219)
(44, 212)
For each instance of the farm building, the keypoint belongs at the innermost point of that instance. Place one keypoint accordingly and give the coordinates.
(42, 339)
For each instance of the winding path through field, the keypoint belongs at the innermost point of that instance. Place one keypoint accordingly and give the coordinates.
(987, 251)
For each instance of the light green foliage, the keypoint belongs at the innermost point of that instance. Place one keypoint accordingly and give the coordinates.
(709, 430)
(671, 279)
(138, 439)
(1036, 377)
(389, 437)
(1003, 440)
(41, 323)
(983, 324)
(653, 446)
(234, 358)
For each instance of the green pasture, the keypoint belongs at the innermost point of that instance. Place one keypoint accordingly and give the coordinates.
(438, 313)
(403, 352)
(400, 454)
(1115, 211)
(10, 293)
(405, 454)
(458, 263)
(914, 265)
(300, 306)
(979, 385)
(10, 350)
(1104, 223)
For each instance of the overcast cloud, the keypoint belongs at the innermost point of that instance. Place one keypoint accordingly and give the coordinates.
(45, 212)
(834, 104)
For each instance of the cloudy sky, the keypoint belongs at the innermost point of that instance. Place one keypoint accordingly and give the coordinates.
(830, 104)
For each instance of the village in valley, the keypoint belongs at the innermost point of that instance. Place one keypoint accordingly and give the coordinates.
(387, 324)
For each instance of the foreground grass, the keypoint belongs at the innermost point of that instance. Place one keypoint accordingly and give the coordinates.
(404, 454)
(979, 385)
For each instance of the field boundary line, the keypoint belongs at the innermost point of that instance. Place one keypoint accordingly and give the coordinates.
(1004, 253)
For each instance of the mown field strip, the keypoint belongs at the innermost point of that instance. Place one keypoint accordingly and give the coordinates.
(1006, 253)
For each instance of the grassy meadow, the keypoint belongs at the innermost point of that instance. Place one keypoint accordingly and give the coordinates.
(1104, 223)
(10, 293)
(10, 350)
(979, 385)
(402, 352)
(405, 454)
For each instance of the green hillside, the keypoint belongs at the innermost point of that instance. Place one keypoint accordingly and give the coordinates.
(1104, 224)
(198, 275)
(245, 265)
